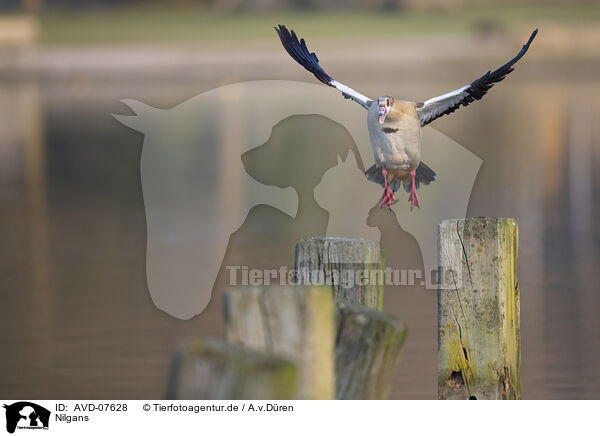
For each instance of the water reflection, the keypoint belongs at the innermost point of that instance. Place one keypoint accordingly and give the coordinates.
(76, 313)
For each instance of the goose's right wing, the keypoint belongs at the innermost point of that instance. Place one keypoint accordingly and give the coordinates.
(300, 53)
(449, 102)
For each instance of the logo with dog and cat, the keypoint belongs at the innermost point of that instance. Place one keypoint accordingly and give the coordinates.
(25, 415)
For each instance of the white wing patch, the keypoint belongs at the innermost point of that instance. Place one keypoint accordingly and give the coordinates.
(436, 106)
(446, 97)
(449, 102)
(361, 99)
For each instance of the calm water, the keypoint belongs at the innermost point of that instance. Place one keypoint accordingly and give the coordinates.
(76, 315)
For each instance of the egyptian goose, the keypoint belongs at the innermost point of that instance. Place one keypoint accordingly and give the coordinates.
(395, 126)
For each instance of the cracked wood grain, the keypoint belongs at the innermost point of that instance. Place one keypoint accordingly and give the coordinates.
(478, 313)
(318, 258)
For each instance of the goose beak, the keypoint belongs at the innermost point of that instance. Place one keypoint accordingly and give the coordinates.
(382, 114)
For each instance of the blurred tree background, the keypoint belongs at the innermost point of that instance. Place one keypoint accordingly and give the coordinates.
(106, 21)
(279, 4)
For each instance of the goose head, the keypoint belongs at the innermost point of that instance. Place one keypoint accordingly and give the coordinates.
(384, 105)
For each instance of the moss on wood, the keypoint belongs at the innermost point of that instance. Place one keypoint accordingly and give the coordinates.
(478, 316)
(215, 370)
(367, 349)
(296, 322)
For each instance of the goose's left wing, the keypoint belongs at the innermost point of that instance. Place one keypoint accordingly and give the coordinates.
(448, 103)
(300, 53)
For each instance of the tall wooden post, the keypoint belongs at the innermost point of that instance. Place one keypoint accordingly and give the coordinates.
(368, 342)
(296, 322)
(352, 267)
(479, 341)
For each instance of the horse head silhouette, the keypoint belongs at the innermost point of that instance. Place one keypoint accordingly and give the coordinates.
(197, 189)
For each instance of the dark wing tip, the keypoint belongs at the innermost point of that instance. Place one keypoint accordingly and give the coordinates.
(529, 41)
(488, 79)
(298, 50)
(479, 87)
(281, 30)
(523, 50)
(533, 35)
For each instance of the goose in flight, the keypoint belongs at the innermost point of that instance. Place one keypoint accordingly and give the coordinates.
(395, 126)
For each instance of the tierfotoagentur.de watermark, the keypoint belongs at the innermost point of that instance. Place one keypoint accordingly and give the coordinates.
(347, 278)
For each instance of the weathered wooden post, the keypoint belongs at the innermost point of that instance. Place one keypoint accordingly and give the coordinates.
(296, 322)
(215, 370)
(352, 267)
(367, 348)
(368, 342)
(478, 310)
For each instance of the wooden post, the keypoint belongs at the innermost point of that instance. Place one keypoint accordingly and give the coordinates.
(367, 349)
(216, 370)
(478, 311)
(296, 322)
(353, 268)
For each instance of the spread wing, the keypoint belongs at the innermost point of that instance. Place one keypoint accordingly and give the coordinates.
(448, 103)
(300, 53)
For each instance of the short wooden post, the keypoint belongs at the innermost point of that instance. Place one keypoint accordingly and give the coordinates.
(216, 370)
(367, 349)
(296, 322)
(353, 268)
(478, 311)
